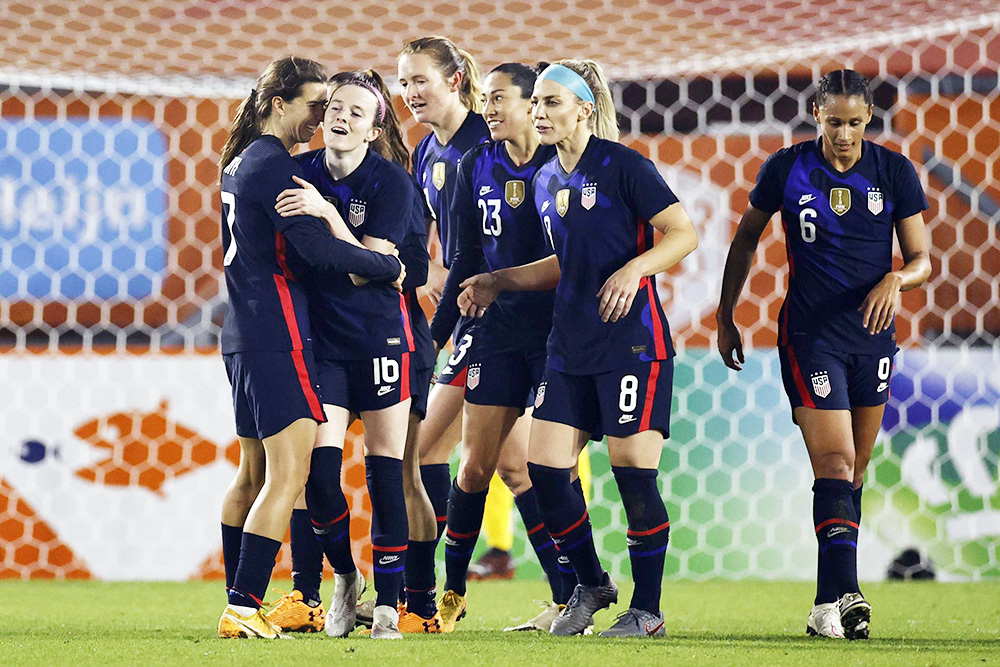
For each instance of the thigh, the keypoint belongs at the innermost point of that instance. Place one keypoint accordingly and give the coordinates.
(571, 400)
(287, 452)
(636, 398)
(639, 450)
(555, 444)
(442, 428)
(252, 460)
(334, 431)
(385, 430)
(865, 424)
(829, 440)
(484, 428)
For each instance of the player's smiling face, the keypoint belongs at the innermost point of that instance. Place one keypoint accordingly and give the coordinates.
(304, 113)
(426, 92)
(506, 113)
(842, 120)
(349, 122)
(556, 111)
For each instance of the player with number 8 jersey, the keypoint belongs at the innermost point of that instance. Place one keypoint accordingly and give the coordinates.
(840, 197)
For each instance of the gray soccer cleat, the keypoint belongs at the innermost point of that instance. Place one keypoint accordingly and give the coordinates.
(637, 623)
(342, 615)
(385, 623)
(364, 612)
(580, 609)
(855, 615)
(824, 621)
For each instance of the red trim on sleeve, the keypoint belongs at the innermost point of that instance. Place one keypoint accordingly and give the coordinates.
(647, 408)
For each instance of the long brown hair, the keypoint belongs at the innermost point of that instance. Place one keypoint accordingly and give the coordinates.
(450, 59)
(283, 78)
(390, 142)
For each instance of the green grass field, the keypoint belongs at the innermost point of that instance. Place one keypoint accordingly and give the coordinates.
(749, 623)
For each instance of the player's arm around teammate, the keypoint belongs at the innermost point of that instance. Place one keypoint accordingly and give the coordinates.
(364, 343)
(836, 332)
(266, 334)
(609, 369)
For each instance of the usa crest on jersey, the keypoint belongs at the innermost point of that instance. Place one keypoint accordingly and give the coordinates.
(437, 174)
(821, 384)
(840, 200)
(588, 195)
(513, 192)
(540, 395)
(472, 379)
(562, 202)
(356, 213)
(875, 201)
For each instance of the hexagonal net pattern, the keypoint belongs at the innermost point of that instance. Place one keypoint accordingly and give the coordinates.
(112, 115)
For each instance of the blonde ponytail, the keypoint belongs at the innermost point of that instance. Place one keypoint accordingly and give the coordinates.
(604, 120)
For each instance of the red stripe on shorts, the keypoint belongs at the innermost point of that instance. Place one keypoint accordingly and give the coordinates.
(647, 408)
(800, 382)
(654, 314)
(288, 309)
(405, 312)
(404, 384)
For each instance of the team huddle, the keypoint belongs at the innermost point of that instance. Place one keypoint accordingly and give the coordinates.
(551, 237)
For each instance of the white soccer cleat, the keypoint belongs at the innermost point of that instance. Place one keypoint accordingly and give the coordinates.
(385, 623)
(543, 621)
(855, 615)
(824, 621)
(342, 615)
(365, 611)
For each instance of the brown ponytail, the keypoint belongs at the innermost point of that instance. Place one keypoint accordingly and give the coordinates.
(450, 59)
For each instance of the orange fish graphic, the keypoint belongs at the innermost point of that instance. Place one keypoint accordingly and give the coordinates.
(147, 449)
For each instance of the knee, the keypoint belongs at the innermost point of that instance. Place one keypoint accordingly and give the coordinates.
(514, 478)
(474, 477)
(835, 466)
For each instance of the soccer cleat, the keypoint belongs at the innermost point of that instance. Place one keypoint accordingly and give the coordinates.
(451, 608)
(415, 624)
(855, 615)
(580, 609)
(385, 623)
(233, 625)
(342, 618)
(494, 564)
(543, 621)
(824, 621)
(637, 623)
(364, 611)
(291, 613)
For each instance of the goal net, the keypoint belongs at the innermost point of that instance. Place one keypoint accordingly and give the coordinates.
(116, 431)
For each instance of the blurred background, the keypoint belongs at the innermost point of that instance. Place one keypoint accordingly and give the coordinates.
(116, 429)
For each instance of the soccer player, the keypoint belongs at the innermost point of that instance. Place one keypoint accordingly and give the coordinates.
(840, 198)
(440, 85)
(610, 359)
(363, 340)
(266, 339)
(497, 223)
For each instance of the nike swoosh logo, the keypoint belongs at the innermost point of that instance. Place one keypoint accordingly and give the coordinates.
(485, 190)
(545, 206)
(385, 560)
(624, 419)
(654, 630)
(805, 199)
(382, 391)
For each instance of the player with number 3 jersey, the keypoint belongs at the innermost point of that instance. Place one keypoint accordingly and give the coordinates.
(841, 198)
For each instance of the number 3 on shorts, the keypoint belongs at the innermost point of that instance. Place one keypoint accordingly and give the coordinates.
(463, 347)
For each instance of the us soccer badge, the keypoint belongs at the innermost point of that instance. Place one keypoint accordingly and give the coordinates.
(437, 175)
(821, 384)
(875, 201)
(540, 395)
(356, 213)
(513, 192)
(840, 200)
(589, 195)
(562, 202)
(472, 379)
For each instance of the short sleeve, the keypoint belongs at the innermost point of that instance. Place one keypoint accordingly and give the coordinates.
(908, 195)
(769, 192)
(645, 190)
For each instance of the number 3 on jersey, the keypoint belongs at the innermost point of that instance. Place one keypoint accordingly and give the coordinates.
(229, 210)
(491, 216)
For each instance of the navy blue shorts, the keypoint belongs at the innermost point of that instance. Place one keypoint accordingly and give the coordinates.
(271, 390)
(420, 389)
(503, 371)
(831, 380)
(618, 403)
(458, 363)
(366, 384)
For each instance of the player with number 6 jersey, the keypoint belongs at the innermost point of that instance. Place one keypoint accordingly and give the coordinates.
(840, 197)
(610, 360)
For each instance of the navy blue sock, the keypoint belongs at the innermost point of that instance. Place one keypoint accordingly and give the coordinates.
(566, 519)
(465, 520)
(648, 534)
(307, 557)
(331, 517)
(837, 534)
(437, 482)
(421, 590)
(257, 556)
(389, 526)
(527, 505)
(232, 539)
(856, 499)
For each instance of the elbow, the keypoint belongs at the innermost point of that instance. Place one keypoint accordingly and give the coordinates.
(692, 242)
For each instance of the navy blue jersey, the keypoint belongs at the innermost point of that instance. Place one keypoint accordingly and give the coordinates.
(597, 219)
(436, 169)
(838, 236)
(349, 322)
(497, 222)
(413, 252)
(267, 305)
